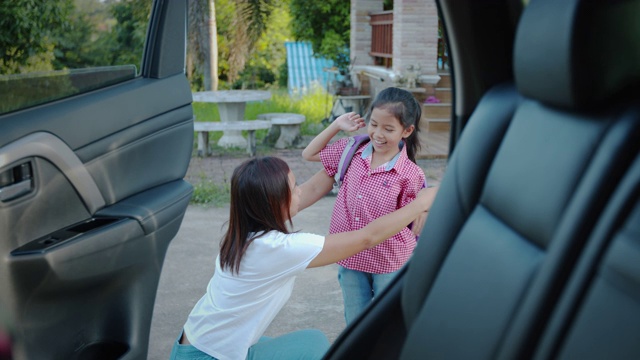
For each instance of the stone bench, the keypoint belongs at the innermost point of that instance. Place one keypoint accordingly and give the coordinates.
(285, 127)
(203, 128)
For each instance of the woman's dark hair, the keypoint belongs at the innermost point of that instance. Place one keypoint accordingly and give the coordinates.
(260, 200)
(404, 107)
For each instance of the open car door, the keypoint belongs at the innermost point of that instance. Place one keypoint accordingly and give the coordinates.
(92, 163)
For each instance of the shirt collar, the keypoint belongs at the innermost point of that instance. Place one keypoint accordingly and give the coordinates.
(368, 151)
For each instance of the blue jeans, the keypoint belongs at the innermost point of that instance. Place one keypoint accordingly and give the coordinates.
(359, 288)
(303, 344)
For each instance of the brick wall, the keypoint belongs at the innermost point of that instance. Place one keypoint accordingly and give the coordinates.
(415, 33)
(361, 30)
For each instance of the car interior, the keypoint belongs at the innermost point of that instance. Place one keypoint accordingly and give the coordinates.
(91, 194)
(532, 247)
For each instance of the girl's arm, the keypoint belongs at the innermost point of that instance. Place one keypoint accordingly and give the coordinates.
(342, 245)
(346, 122)
(314, 189)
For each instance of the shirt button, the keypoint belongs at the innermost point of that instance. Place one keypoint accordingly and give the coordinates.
(359, 196)
(357, 219)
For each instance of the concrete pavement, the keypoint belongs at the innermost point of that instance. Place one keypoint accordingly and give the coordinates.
(316, 301)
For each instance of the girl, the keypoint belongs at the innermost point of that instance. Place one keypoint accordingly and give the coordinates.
(259, 260)
(383, 176)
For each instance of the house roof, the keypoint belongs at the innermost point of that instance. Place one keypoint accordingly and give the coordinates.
(304, 69)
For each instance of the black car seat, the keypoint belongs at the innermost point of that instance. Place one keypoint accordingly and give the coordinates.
(536, 165)
(598, 316)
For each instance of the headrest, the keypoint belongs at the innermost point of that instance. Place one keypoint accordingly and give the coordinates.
(577, 54)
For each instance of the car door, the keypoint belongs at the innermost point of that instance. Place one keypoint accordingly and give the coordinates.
(91, 194)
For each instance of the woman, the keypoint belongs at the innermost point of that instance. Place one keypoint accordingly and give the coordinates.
(259, 260)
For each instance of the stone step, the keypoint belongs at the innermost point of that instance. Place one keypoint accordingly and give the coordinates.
(436, 111)
(443, 94)
(445, 80)
(434, 139)
(431, 124)
(439, 125)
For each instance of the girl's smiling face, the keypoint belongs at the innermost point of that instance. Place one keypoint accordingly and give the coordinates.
(386, 132)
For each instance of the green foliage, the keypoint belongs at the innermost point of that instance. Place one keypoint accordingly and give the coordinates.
(26, 29)
(283, 74)
(225, 10)
(387, 5)
(255, 77)
(326, 24)
(315, 106)
(270, 24)
(207, 192)
(71, 50)
(44, 35)
(130, 30)
(269, 52)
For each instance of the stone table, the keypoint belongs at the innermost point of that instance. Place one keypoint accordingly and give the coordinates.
(231, 106)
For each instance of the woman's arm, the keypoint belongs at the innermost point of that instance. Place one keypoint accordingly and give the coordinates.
(346, 122)
(314, 189)
(342, 245)
(418, 223)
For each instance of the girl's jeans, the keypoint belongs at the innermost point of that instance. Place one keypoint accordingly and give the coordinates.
(359, 288)
(302, 344)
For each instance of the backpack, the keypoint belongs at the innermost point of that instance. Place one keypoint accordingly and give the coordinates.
(353, 144)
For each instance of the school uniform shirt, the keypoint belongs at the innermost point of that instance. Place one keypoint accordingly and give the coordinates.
(237, 308)
(365, 195)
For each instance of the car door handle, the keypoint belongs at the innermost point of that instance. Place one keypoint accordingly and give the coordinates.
(13, 191)
(16, 182)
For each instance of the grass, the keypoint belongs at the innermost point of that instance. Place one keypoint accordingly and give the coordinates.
(208, 193)
(315, 106)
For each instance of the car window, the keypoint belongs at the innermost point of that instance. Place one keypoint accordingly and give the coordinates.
(55, 49)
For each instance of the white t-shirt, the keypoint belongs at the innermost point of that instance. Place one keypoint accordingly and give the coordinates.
(238, 308)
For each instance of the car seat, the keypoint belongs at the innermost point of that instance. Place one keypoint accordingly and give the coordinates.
(509, 248)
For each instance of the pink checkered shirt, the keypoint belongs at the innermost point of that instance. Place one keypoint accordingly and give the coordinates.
(365, 195)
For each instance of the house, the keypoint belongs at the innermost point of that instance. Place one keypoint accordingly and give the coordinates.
(402, 47)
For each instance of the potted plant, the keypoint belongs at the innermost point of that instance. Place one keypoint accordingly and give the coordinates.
(345, 84)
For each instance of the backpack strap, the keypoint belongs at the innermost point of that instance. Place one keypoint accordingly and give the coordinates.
(353, 144)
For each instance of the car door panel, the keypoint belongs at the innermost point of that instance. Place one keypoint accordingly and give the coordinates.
(91, 195)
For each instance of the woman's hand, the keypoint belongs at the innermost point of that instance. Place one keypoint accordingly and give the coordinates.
(418, 224)
(426, 197)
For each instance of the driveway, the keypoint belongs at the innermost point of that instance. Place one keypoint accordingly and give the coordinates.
(316, 301)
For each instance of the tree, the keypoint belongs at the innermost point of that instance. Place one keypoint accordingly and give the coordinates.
(264, 65)
(239, 23)
(26, 30)
(41, 35)
(326, 24)
(102, 33)
(130, 30)
(249, 23)
(204, 41)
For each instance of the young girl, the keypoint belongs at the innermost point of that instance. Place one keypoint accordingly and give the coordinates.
(383, 176)
(259, 260)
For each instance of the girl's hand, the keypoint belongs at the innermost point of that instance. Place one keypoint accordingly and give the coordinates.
(349, 122)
